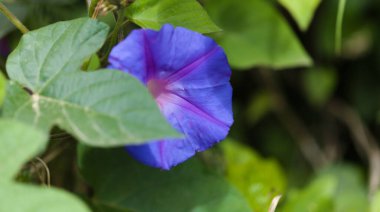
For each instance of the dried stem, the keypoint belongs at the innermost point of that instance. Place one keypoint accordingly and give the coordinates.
(46, 169)
(363, 139)
(305, 140)
(12, 18)
(274, 203)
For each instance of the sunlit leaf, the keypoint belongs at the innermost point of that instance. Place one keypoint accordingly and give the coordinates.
(260, 180)
(301, 10)
(337, 188)
(255, 34)
(186, 13)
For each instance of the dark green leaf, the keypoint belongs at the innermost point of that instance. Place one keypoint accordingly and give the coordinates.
(319, 84)
(122, 182)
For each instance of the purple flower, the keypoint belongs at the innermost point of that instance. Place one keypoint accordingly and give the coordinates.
(188, 75)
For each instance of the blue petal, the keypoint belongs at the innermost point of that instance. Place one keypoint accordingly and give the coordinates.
(201, 130)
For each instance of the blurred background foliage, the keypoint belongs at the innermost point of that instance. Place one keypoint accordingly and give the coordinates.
(307, 120)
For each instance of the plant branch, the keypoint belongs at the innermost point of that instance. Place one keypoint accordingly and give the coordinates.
(305, 140)
(363, 139)
(339, 26)
(12, 18)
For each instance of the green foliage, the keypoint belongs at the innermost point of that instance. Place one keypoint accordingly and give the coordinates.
(260, 180)
(255, 34)
(186, 13)
(102, 108)
(319, 84)
(18, 144)
(259, 106)
(3, 84)
(339, 188)
(375, 203)
(316, 197)
(21, 198)
(123, 183)
(301, 10)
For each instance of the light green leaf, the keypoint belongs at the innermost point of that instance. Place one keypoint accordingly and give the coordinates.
(101, 108)
(255, 34)
(316, 197)
(260, 180)
(186, 13)
(351, 194)
(123, 183)
(375, 202)
(18, 144)
(337, 188)
(301, 10)
(3, 84)
(30, 198)
(42, 55)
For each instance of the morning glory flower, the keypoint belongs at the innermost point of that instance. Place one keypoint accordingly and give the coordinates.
(188, 76)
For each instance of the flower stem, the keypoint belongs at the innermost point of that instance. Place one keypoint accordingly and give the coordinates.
(12, 18)
(339, 26)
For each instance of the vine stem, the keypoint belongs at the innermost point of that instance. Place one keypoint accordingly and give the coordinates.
(339, 26)
(364, 140)
(12, 18)
(295, 126)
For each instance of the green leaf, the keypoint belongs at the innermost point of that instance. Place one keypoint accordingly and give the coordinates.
(316, 197)
(125, 184)
(186, 13)
(42, 55)
(259, 106)
(375, 202)
(21, 198)
(255, 34)
(18, 144)
(319, 84)
(3, 84)
(260, 180)
(351, 194)
(301, 10)
(337, 188)
(101, 108)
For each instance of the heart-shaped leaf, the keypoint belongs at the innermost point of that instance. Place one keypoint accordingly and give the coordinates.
(101, 108)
